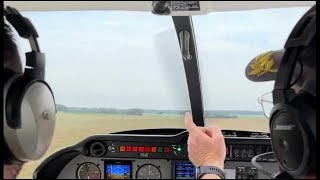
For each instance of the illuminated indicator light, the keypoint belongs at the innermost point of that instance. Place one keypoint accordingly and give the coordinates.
(160, 149)
(166, 149)
(134, 149)
(179, 149)
(147, 149)
(141, 149)
(122, 148)
(154, 149)
(128, 148)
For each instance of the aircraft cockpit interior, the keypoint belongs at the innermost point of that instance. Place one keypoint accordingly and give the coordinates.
(124, 73)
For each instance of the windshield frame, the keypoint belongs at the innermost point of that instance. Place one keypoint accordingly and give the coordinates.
(188, 47)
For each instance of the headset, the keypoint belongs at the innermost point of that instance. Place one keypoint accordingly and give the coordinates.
(28, 103)
(293, 117)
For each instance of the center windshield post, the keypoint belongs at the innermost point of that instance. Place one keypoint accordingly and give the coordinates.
(187, 42)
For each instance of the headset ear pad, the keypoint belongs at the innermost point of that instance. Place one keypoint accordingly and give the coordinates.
(291, 143)
(29, 117)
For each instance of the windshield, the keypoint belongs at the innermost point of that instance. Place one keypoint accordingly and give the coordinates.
(116, 71)
(227, 42)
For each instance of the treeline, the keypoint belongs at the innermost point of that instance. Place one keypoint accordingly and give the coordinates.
(133, 111)
(140, 112)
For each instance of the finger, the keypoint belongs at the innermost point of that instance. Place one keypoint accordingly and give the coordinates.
(206, 130)
(215, 131)
(189, 124)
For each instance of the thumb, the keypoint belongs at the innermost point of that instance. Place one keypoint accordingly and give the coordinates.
(189, 124)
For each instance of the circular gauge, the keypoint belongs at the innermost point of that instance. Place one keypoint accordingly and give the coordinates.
(148, 171)
(88, 171)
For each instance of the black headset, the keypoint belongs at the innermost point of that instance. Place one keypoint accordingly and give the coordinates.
(293, 118)
(29, 105)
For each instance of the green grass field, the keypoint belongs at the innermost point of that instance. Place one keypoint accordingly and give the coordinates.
(73, 127)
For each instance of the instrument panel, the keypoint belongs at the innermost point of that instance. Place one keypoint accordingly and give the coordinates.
(145, 156)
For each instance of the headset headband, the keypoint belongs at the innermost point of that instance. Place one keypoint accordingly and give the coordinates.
(35, 60)
(301, 36)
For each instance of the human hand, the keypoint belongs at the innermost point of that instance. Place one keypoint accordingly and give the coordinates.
(206, 145)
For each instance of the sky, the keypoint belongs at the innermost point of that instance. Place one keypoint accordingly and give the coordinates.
(118, 59)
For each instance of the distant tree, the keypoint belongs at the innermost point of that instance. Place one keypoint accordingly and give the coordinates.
(135, 111)
(62, 108)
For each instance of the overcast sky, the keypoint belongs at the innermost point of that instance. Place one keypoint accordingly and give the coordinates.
(131, 59)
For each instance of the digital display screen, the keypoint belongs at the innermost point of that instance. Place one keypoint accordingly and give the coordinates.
(185, 171)
(118, 170)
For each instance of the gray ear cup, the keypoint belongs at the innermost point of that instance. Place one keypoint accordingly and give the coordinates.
(28, 103)
(31, 106)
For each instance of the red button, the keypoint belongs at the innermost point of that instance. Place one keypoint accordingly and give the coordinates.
(147, 149)
(141, 149)
(122, 148)
(166, 150)
(134, 149)
(154, 149)
(128, 148)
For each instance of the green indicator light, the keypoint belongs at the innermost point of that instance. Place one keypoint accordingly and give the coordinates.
(160, 149)
(179, 149)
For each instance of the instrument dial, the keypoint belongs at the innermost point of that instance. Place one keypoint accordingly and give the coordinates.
(88, 171)
(148, 171)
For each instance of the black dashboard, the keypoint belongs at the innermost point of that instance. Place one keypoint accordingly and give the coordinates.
(152, 154)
